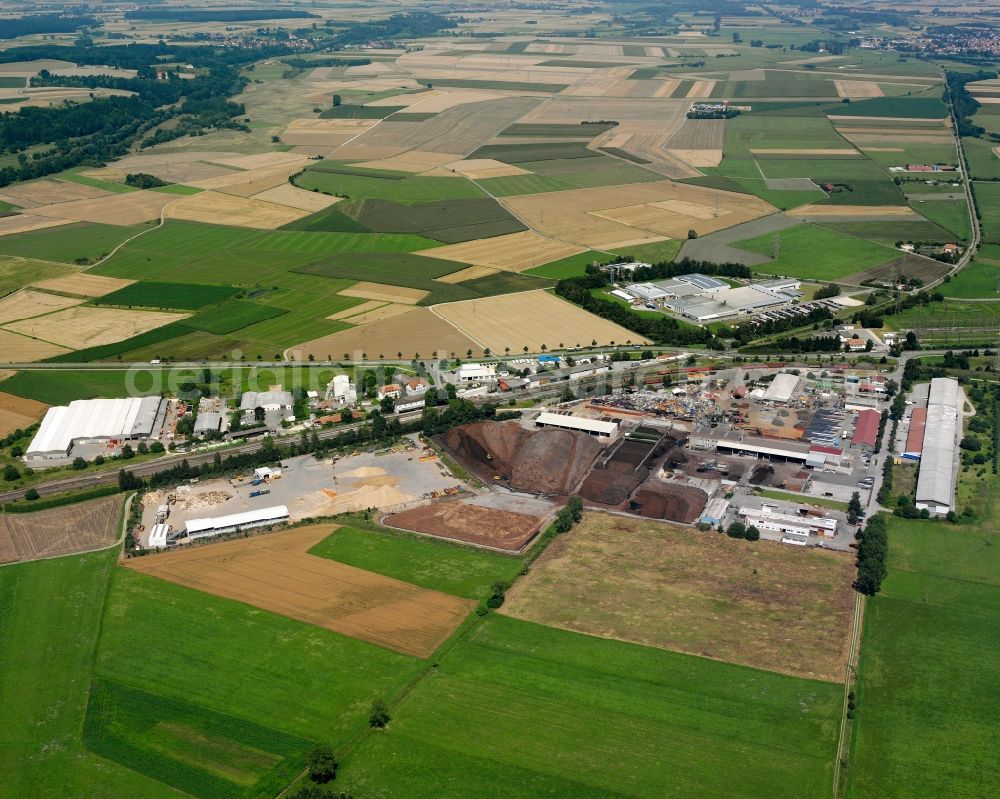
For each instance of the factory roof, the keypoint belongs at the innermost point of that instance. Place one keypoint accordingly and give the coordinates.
(275, 513)
(866, 429)
(577, 423)
(782, 387)
(943, 391)
(210, 420)
(258, 399)
(748, 298)
(937, 461)
(703, 282)
(94, 419)
(915, 435)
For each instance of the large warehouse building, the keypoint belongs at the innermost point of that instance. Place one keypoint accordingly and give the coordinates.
(96, 421)
(200, 528)
(594, 427)
(938, 459)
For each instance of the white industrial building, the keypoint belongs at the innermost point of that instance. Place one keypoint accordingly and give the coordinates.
(94, 421)
(794, 529)
(782, 388)
(341, 390)
(939, 459)
(158, 536)
(202, 528)
(476, 373)
(268, 400)
(594, 427)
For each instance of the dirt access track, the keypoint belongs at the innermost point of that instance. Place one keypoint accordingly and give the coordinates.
(60, 531)
(275, 572)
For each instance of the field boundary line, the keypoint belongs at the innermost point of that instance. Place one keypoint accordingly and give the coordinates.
(849, 670)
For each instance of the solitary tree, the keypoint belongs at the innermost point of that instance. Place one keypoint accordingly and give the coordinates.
(322, 764)
(737, 530)
(854, 508)
(379, 716)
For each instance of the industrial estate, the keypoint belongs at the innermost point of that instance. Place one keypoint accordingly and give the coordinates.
(449, 400)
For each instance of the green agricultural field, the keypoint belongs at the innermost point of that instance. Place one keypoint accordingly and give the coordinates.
(953, 215)
(584, 130)
(569, 173)
(16, 273)
(651, 253)
(414, 189)
(52, 612)
(448, 221)
(505, 283)
(431, 563)
(179, 296)
(984, 164)
(978, 280)
(988, 202)
(292, 677)
(909, 107)
(891, 232)
(78, 243)
(409, 270)
(570, 266)
(329, 220)
(539, 151)
(61, 386)
(360, 111)
(930, 664)
(817, 253)
(206, 754)
(777, 84)
(232, 316)
(75, 177)
(565, 714)
(748, 131)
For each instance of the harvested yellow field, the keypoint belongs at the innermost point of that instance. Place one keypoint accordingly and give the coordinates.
(412, 161)
(609, 217)
(114, 209)
(363, 152)
(417, 333)
(988, 100)
(294, 197)
(470, 273)
(599, 83)
(84, 285)
(484, 168)
(531, 319)
(378, 314)
(22, 223)
(838, 119)
(435, 101)
(514, 252)
(46, 192)
(698, 158)
(252, 181)
(701, 89)
(380, 291)
(806, 151)
(364, 307)
(901, 212)
(22, 349)
(258, 160)
(216, 208)
(858, 88)
(81, 327)
(27, 303)
(883, 149)
(324, 132)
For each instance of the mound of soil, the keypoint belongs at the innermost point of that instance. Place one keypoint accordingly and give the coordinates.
(549, 461)
(473, 524)
(676, 503)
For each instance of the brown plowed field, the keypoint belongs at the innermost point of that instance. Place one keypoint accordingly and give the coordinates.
(474, 524)
(60, 531)
(907, 266)
(18, 412)
(760, 604)
(276, 572)
(549, 461)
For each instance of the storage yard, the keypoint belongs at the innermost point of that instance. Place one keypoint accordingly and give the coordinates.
(385, 479)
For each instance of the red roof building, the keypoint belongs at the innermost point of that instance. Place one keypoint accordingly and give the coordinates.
(866, 430)
(915, 436)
